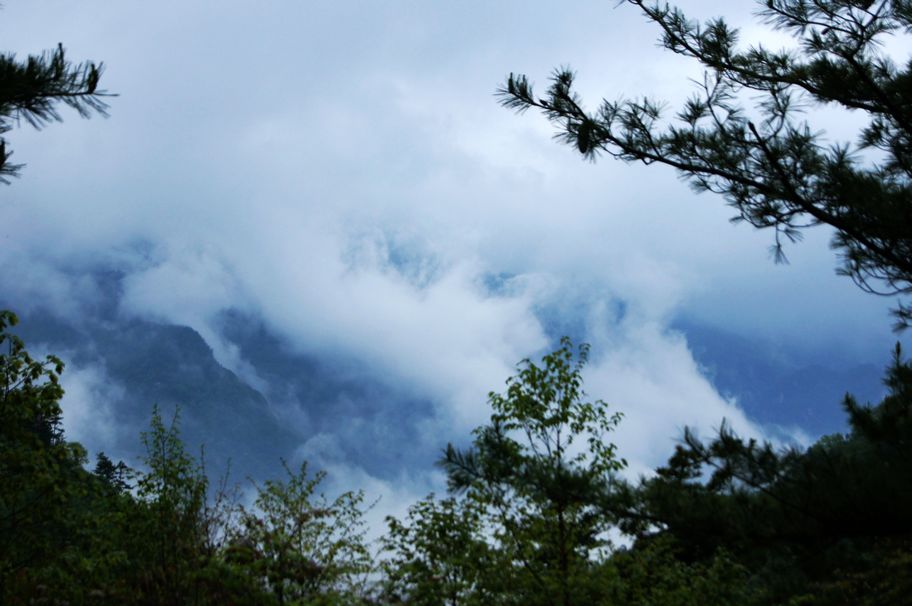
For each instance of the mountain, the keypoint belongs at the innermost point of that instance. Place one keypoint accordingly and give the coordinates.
(779, 386)
(170, 367)
(290, 403)
(330, 410)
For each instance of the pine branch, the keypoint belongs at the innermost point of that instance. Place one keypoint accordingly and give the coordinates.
(32, 90)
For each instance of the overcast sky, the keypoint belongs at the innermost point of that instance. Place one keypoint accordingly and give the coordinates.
(342, 171)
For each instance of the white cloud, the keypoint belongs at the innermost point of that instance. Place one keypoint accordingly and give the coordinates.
(88, 414)
(276, 159)
(650, 376)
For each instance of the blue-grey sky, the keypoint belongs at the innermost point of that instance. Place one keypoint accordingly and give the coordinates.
(342, 171)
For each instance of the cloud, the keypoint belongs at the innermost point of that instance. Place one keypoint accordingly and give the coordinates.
(88, 404)
(343, 174)
(650, 377)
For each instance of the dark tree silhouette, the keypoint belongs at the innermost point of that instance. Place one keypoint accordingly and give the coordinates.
(32, 90)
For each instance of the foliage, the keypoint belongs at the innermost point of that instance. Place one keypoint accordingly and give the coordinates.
(439, 556)
(729, 521)
(744, 134)
(115, 476)
(302, 547)
(654, 574)
(170, 516)
(31, 90)
(541, 489)
(35, 462)
(825, 522)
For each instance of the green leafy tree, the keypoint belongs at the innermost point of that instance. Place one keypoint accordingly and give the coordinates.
(36, 463)
(61, 528)
(32, 90)
(170, 533)
(655, 574)
(440, 556)
(744, 135)
(541, 468)
(302, 547)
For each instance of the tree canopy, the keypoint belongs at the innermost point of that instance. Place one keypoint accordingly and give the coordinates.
(541, 488)
(744, 133)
